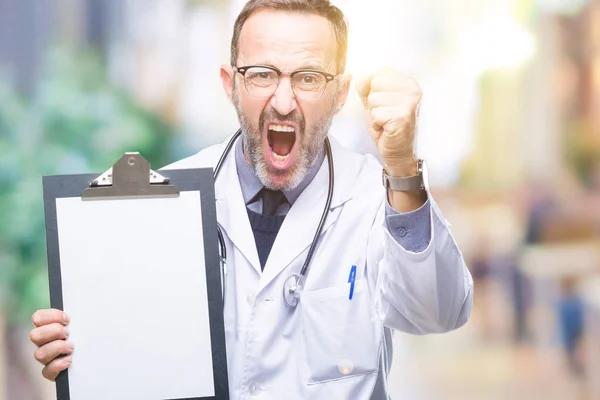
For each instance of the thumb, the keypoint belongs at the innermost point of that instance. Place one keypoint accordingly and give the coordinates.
(363, 87)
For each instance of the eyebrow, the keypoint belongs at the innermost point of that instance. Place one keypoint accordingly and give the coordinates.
(309, 66)
(313, 66)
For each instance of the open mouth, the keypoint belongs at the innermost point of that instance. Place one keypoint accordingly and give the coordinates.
(281, 139)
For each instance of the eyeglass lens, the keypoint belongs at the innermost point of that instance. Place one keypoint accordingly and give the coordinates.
(263, 82)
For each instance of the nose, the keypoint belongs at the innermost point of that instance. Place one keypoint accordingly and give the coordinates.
(283, 100)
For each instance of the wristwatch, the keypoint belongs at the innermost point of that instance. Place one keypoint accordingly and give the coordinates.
(415, 182)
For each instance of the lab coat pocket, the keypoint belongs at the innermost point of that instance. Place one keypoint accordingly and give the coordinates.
(341, 335)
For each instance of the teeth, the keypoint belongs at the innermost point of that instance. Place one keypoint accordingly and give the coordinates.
(278, 157)
(281, 128)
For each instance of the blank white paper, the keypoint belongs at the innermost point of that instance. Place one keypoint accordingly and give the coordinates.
(134, 284)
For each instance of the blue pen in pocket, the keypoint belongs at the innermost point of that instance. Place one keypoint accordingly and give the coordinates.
(351, 280)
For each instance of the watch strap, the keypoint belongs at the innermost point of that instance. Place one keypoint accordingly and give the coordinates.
(407, 183)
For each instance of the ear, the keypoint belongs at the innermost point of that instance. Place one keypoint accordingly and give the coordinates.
(343, 89)
(227, 77)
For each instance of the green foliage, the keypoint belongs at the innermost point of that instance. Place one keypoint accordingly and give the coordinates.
(75, 122)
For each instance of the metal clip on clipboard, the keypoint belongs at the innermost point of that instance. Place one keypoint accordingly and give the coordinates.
(130, 177)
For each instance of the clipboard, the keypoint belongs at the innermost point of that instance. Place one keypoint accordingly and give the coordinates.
(133, 259)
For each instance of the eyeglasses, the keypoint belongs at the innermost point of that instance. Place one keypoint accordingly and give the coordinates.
(307, 84)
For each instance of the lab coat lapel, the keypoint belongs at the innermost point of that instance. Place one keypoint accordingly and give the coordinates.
(232, 214)
(300, 224)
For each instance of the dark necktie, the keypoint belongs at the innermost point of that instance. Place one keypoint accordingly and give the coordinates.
(271, 200)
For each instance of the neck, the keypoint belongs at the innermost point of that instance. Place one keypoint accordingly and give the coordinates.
(245, 153)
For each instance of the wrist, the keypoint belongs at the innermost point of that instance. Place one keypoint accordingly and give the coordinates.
(402, 168)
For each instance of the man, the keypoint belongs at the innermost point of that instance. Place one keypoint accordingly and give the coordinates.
(385, 258)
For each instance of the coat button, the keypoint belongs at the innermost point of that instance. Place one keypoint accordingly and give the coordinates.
(254, 389)
(345, 366)
(401, 232)
(250, 298)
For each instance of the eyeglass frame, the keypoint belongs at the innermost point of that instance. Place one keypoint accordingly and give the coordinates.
(328, 77)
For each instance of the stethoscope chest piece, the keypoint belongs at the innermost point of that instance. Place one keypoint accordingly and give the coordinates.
(292, 289)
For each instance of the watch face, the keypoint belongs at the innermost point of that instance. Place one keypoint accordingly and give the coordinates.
(425, 174)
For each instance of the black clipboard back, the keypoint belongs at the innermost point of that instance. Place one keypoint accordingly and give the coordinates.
(131, 178)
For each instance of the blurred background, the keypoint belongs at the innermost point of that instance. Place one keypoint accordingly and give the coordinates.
(510, 126)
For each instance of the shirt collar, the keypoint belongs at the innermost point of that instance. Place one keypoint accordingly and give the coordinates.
(251, 185)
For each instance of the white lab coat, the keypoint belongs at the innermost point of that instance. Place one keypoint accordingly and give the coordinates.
(329, 347)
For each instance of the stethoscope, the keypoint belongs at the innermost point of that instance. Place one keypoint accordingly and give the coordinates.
(292, 287)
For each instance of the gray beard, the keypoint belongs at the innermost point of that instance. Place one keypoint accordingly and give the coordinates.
(309, 146)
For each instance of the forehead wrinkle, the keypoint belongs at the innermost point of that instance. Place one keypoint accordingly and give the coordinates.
(290, 49)
(281, 56)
